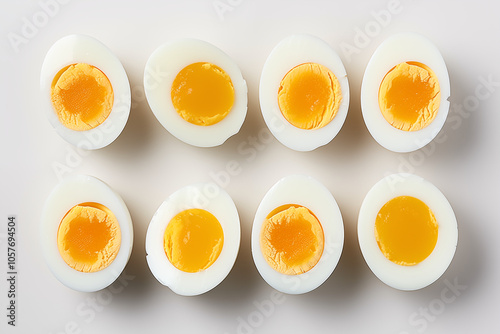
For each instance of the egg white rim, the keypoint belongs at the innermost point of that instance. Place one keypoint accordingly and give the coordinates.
(317, 198)
(68, 193)
(74, 49)
(429, 270)
(307, 49)
(161, 69)
(411, 47)
(207, 196)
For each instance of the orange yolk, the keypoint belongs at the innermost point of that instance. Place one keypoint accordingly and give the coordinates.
(309, 96)
(193, 240)
(202, 94)
(409, 96)
(406, 230)
(292, 239)
(89, 237)
(82, 96)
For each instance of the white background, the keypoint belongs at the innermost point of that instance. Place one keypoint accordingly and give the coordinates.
(146, 164)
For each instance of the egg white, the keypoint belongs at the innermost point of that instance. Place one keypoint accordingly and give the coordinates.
(68, 193)
(161, 69)
(74, 49)
(430, 269)
(310, 193)
(400, 48)
(207, 196)
(287, 54)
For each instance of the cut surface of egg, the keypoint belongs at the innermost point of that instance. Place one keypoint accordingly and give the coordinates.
(85, 91)
(196, 92)
(193, 239)
(297, 235)
(407, 231)
(405, 92)
(86, 233)
(304, 92)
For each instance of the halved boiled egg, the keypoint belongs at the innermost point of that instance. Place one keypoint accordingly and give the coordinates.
(85, 92)
(86, 233)
(297, 235)
(304, 92)
(407, 231)
(193, 239)
(404, 93)
(196, 92)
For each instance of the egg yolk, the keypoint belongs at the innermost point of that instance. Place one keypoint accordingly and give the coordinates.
(89, 237)
(406, 230)
(82, 96)
(202, 94)
(193, 240)
(309, 96)
(409, 96)
(292, 239)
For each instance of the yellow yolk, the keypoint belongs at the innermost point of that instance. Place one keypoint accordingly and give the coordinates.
(292, 239)
(202, 94)
(82, 96)
(193, 240)
(409, 96)
(406, 230)
(309, 96)
(89, 237)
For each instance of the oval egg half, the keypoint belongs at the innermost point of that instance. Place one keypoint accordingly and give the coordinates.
(85, 92)
(304, 92)
(405, 92)
(86, 233)
(193, 239)
(196, 92)
(407, 231)
(297, 235)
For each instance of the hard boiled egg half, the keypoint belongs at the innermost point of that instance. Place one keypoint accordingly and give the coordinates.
(193, 239)
(297, 235)
(85, 92)
(407, 231)
(404, 93)
(304, 92)
(86, 233)
(196, 92)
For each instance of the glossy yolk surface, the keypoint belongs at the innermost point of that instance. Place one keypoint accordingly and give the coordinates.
(193, 240)
(292, 239)
(202, 94)
(309, 96)
(409, 96)
(89, 237)
(82, 96)
(406, 230)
